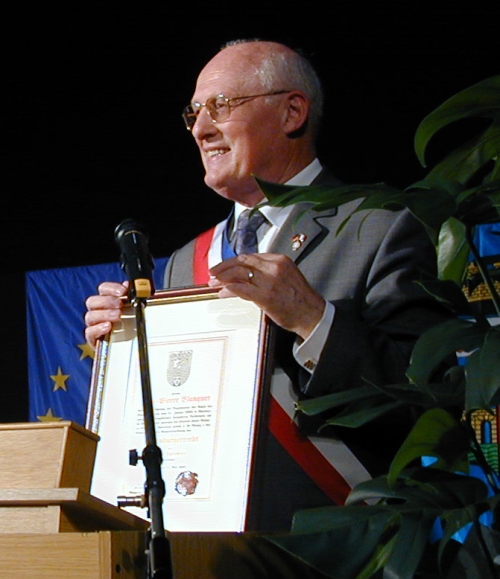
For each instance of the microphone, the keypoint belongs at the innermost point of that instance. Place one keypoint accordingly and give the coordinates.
(135, 258)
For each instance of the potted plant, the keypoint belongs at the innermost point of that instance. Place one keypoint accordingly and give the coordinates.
(441, 497)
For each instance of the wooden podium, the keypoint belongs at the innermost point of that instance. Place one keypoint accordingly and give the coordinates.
(51, 527)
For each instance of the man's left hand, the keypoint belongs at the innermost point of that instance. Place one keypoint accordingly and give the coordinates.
(276, 285)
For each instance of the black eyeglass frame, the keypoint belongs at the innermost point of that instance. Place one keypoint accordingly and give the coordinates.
(191, 112)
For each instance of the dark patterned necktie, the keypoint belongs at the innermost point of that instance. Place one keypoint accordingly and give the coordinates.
(246, 231)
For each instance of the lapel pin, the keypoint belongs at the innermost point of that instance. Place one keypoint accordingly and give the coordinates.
(298, 241)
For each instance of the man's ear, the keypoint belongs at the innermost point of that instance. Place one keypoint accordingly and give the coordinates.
(297, 112)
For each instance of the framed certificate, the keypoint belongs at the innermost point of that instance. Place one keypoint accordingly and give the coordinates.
(209, 373)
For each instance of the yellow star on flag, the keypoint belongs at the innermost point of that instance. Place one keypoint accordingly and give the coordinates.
(87, 351)
(49, 417)
(60, 380)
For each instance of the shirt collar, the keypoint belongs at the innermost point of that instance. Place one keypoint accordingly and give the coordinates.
(277, 215)
(307, 175)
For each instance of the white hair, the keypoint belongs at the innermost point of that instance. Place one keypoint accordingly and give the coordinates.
(290, 70)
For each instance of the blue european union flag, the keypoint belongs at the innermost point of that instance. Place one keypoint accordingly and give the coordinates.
(59, 360)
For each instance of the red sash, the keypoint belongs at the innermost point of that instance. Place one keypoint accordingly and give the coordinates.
(200, 257)
(306, 455)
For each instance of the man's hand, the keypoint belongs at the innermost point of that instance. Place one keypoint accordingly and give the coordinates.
(275, 284)
(104, 309)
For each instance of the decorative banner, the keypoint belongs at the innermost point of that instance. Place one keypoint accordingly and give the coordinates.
(487, 240)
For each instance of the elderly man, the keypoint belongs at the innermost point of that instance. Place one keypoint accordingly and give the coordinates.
(344, 303)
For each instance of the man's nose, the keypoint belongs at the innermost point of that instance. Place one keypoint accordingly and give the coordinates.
(204, 125)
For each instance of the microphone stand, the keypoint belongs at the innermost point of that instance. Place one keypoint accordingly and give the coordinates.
(158, 552)
(138, 264)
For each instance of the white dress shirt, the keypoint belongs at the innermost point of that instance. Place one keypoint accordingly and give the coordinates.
(306, 352)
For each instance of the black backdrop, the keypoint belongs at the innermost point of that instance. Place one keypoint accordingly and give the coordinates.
(91, 130)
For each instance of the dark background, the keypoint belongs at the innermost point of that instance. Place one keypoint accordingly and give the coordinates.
(92, 134)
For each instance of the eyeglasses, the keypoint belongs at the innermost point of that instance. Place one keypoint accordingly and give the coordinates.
(219, 107)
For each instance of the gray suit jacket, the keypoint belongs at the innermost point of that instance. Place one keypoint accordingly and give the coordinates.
(368, 271)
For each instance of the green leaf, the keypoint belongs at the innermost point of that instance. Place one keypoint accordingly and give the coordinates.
(433, 205)
(404, 497)
(364, 414)
(324, 196)
(456, 519)
(415, 531)
(322, 537)
(314, 406)
(447, 292)
(354, 541)
(427, 395)
(438, 343)
(479, 205)
(436, 433)
(431, 210)
(462, 164)
(452, 251)
(364, 404)
(480, 100)
(421, 496)
(358, 406)
(323, 519)
(417, 488)
(483, 374)
(380, 558)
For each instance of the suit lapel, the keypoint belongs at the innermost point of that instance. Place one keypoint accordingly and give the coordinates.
(303, 228)
(301, 231)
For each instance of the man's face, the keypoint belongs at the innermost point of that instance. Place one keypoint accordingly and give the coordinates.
(250, 141)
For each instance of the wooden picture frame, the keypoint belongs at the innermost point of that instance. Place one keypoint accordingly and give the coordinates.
(209, 368)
